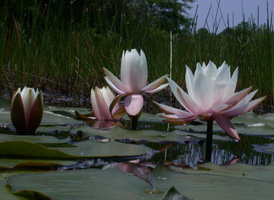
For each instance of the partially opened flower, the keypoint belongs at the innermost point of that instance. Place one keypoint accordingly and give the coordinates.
(100, 102)
(26, 109)
(211, 96)
(133, 83)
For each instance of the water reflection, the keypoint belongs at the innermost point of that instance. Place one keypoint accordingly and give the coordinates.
(223, 152)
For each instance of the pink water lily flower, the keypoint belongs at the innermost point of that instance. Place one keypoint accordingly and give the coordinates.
(26, 109)
(133, 83)
(211, 96)
(100, 102)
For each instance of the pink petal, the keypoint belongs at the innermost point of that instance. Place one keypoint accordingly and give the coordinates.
(226, 125)
(253, 104)
(183, 98)
(133, 104)
(94, 104)
(113, 86)
(157, 89)
(155, 84)
(187, 102)
(238, 96)
(115, 81)
(102, 105)
(175, 111)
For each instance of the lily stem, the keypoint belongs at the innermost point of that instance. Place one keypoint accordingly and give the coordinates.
(134, 120)
(209, 140)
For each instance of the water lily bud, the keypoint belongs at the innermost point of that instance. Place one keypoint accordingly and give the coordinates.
(26, 109)
(101, 100)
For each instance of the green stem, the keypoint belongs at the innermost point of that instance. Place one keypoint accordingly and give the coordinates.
(209, 140)
(134, 121)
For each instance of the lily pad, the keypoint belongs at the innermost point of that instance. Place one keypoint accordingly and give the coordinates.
(211, 181)
(82, 184)
(4, 191)
(86, 149)
(267, 148)
(118, 133)
(199, 131)
(34, 139)
(19, 164)
(146, 117)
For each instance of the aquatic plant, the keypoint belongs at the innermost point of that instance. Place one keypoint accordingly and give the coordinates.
(133, 83)
(26, 109)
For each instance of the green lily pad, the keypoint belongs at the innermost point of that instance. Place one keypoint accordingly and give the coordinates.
(18, 164)
(33, 139)
(199, 131)
(256, 129)
(5, 117)
(118, 133)
(247, 118)
(86, 149)
(82, 184)
(211, 181)
(4, 191)
(267, 148)
(173, 194)
(4, 104)
(146, 117)
(50, 118)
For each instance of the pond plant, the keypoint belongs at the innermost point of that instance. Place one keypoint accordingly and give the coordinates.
(211, 96)
(26, 109)
(101, 100)
(133, 83)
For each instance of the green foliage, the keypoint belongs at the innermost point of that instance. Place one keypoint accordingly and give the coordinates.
(61, 46)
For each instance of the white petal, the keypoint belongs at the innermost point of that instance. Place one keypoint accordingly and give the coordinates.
(189, 82)
(202, 91)
(134, 71)
(113, 86)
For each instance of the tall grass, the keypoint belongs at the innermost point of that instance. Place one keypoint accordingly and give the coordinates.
(64, 56)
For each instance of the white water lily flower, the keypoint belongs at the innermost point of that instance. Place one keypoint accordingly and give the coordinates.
(100, 102)
(133, 83)
(211, 95)
(26, 109)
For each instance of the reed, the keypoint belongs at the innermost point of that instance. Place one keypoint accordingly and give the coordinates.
(66, 56)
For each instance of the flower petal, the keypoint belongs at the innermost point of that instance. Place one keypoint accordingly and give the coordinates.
(238, 96)
(183, 98)
(226, 125)
(161, 87)
(112, 86)
(102, 105)
(134, 70)
(17, 112)
(189, 82)
(115, 82)
(36, 113)
(202, 91)
(175, 111)
(133, 104)
(94, 104)
(155, 84)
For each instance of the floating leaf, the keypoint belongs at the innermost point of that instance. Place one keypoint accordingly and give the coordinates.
(20, 164)
(86, 149)
(4, 191)
(82, 184)
(135, 135)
